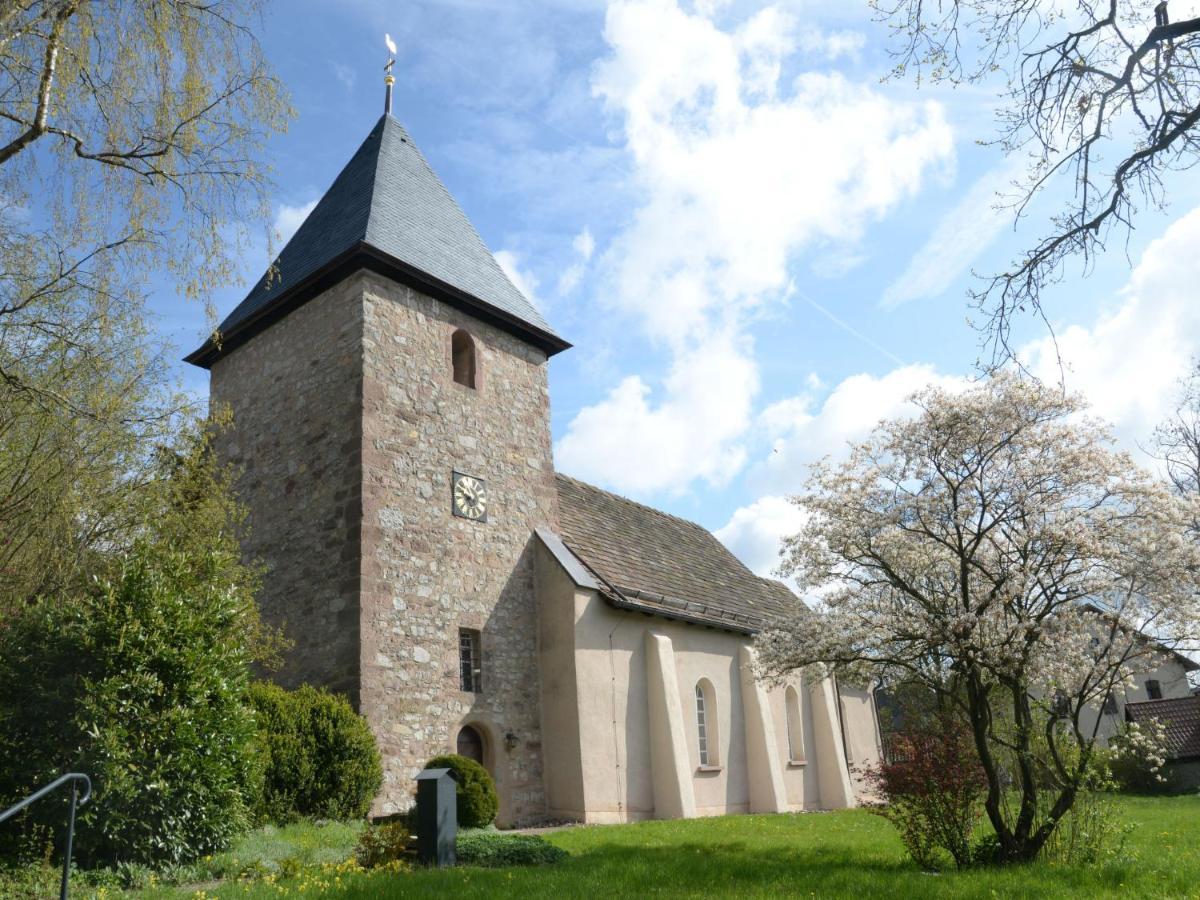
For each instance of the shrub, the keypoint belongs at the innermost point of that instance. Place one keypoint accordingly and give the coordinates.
(140, 683)
(320, 756)
(1092, 831)
(476, 791)
(932, 790)
(495, 849)
(1137, 756)
(383, 843)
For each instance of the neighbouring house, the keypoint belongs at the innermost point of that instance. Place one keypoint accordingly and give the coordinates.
(1180, 717)
(391, 427)
(1171, 680)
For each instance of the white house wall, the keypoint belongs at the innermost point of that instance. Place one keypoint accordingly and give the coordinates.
(1173, 680)
(617, 660)
(561, 751)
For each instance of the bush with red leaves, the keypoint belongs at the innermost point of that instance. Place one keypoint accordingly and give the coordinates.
(931, 787)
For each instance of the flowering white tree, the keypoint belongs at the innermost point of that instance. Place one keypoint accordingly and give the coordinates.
(997, 550)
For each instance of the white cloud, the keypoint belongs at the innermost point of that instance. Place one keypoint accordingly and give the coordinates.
(959, 238)
(739, 172)
(802, 432)
(626, 442)
(1128, 361)
(523, 279)
(754, 533)
(584, 246)
(345, 75)
(835, 44)
(289, 218)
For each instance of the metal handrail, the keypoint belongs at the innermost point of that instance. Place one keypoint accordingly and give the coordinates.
(73, 778)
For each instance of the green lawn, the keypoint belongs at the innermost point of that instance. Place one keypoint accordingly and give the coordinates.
(842, 854)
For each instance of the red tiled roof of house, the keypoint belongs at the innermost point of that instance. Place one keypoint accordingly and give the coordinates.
(1181, 718)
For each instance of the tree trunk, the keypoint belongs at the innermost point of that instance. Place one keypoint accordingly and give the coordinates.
(977, 707)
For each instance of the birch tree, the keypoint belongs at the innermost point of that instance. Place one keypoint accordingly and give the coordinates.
(996, 549)
(132, 147)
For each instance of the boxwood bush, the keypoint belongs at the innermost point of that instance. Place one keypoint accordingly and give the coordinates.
(476, 791)
(495, 849)
(140, 683)
(319, 754)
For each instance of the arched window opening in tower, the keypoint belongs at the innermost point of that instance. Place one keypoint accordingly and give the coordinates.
(462, 352)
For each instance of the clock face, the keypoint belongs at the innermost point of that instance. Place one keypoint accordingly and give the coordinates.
(469, 497)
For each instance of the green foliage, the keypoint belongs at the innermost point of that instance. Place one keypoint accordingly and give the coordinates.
(139, 680)
(139, 683)
(476, 791)
(383, 843)
(494, 849)
(1091, 832)
(30, 881)
(272, 849)
(843, 853)
(320, 756)
(150, 157)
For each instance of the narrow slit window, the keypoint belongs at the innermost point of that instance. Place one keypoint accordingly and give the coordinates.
(708, 737)
(462, 353)
(470, 661)
(701, 726)
(795, 728)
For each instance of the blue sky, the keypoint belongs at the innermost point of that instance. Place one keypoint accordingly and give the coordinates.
(757, 246)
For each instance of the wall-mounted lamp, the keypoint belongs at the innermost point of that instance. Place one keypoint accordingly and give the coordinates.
(510, 742)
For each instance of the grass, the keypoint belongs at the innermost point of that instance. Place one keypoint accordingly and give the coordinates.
(840, 854)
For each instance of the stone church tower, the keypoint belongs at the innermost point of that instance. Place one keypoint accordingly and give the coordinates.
(391, 427)
(391, 430)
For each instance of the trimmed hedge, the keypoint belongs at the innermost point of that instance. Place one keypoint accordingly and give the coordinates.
(320, 756)
(476, 791)
(496, 849)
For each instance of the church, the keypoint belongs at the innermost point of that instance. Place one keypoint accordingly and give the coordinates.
(391, 437)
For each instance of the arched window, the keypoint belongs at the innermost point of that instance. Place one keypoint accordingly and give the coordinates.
(470, 744)
(795, 726)
(462, 354)
(708, 736)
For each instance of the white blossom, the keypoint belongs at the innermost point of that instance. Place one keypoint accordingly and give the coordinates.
(996, 542)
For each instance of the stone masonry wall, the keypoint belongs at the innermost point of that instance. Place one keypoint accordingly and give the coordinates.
(295, 394)
(425, 572)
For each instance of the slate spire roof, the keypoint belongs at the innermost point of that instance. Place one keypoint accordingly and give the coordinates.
(388, 211)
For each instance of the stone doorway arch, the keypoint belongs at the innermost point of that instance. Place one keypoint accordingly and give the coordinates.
(470, 743)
